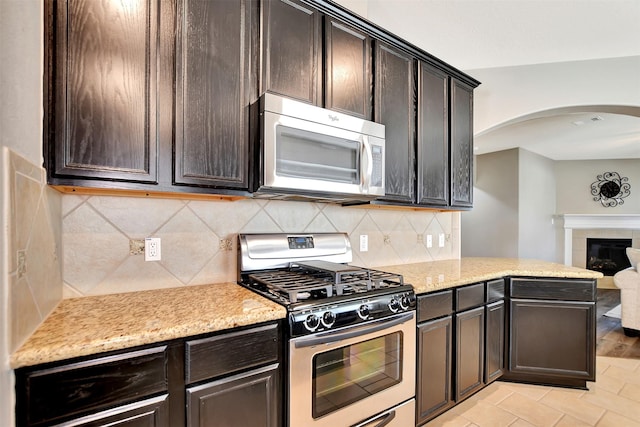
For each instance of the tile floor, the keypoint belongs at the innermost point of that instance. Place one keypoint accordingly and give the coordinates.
(612, 401)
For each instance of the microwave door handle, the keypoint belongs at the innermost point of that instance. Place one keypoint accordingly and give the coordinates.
(367, 158)
(332, 336)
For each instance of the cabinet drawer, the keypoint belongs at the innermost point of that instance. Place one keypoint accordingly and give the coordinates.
(435, 305)
(236, 351)
(469, 296)
(555, 289)
(77, 388)
(495, 290)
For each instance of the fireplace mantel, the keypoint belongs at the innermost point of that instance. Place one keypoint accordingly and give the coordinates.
(594, 221)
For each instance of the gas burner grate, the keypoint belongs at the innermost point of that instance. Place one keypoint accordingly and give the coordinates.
(302, 282)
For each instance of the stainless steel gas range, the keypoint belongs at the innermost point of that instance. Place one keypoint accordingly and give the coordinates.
(352, 331)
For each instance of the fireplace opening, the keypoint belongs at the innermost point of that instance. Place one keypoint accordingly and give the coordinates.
(607, 256)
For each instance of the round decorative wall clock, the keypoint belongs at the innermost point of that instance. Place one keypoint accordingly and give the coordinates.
(610, 189)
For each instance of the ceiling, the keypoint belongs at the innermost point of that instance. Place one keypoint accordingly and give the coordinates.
(484, 34)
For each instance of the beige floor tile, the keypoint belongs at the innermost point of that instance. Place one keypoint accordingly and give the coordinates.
(611, 419)
(531, 410)
(623, 374)
(449, 419)
(613, 385)
(630, 364)
(522, 423)
(494, 393)
(631, 391)
(485, 414)
(569, 402)
(569, 421)
(535, 392)
(612, 403)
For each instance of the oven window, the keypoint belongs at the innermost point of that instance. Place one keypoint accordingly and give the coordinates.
(304, 154)
(348, 374)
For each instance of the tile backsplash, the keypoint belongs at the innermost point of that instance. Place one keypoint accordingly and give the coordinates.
(33, 231)
(199, 238)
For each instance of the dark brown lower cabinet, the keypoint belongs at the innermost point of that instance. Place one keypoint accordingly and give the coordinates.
(494, 350)
(247, 399)
(552, 331)
(435, 358)
(229, 378)
(469, 366)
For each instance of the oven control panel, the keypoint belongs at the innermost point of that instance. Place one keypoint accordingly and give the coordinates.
(330, 316)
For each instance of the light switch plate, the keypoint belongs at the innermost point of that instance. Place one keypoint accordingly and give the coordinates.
(429, 240)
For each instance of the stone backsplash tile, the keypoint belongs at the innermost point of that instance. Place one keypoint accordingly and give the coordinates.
(199, 238)
(34, 232)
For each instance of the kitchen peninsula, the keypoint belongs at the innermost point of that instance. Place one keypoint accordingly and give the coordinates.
(177, 323)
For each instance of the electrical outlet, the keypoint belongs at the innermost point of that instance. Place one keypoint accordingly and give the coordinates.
(152, 249)
(429, 240)
(364, 243)
(441, 240)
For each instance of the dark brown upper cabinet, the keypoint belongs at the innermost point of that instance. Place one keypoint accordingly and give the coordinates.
(348, 85)
(100, 90)
(292, 50)
(433, 136)
(214, 87)
(461, 144)
(331, 70)
(394, 106)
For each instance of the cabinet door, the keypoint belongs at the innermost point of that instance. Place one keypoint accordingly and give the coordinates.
(147, 413)
(291, 50)
(494, 360)
(214, 87)
(433, 136)
(469, 352)
(434, 387)
(461, 144)
(348, 86)
(552, 340)
(248, 399)
(101, 104)
(394, 106)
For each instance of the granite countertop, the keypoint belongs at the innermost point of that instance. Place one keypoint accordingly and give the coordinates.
(438, 275)
(90, 325)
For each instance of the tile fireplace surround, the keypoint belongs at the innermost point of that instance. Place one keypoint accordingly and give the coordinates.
(577, 227)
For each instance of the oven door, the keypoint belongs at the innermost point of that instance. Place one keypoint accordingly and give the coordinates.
(346, 376)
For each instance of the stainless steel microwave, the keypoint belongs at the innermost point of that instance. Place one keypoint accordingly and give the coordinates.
(315, 153)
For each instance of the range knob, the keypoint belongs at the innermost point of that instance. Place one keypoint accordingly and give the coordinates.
(394, 305)
(328, 319)
(405, 302)
(311, 322)
(364, 311)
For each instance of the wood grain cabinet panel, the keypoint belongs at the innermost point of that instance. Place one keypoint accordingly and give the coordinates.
(348, 78)
(394, 107)
(434, 393)
(433, 136)
(470, 335)
(291, 62)
(461, 144)
(100, 97)
(214, 87)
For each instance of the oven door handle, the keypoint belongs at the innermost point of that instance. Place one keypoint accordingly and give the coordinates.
(331, 337)
(380, 421)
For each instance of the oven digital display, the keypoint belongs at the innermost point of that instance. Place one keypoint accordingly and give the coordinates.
(300, 242)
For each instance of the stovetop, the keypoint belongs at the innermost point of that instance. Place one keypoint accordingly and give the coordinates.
(314, 281)
(310, 275)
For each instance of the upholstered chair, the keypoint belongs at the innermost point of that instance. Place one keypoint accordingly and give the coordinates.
(628, 281)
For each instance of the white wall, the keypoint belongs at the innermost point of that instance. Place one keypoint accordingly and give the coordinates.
(507, 93)
(514, 204)
(536, 207)
(491, 228)
(574, 180)
(20, 129)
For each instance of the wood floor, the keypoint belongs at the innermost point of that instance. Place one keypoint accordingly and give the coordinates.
(611, 341)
